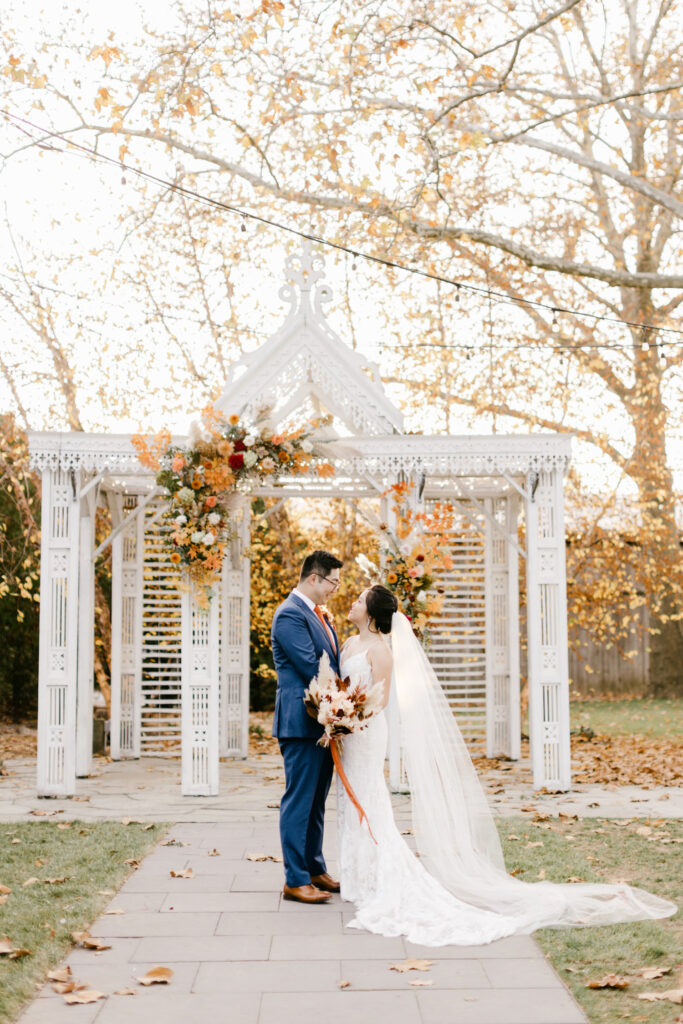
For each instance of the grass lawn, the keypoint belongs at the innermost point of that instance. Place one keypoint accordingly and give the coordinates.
(41, 916)
(602, 850)
(656, 719)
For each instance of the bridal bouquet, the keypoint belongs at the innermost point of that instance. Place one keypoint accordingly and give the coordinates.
(342, 708)
(339, 706)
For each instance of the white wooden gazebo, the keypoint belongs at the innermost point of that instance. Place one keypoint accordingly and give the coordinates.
(180, 675)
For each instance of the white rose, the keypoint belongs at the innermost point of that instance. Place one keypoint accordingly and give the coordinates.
(307, 446)
(250, 441)
(197, 537)
(250, 459)
(209, 538)
(214, 519)
(422, 596)
(181, 520)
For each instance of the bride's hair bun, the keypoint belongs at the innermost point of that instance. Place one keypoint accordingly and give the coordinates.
(381, 604)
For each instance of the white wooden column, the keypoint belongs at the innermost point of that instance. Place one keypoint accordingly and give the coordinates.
(502, 628)
(86, 636)
(58, 657)
(547, 633)
(235, 625)
(126, 628)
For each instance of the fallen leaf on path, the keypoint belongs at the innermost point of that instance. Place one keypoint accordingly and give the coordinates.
(421, 982)
(114, 910)
(146, 828)
(59, 974)
(44, 814)
(273, 806)
(411, 965)
(214, 853)
(343, 984)
(609, 981)
(264, 856)
(187, 873)
(133, 862)
(172, 842)
(86, 940)
(126, 992)
(130, 821)
(10, 951)
(86, 995)
(156, 976)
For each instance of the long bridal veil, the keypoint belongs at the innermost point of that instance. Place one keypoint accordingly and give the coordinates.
(454, 828)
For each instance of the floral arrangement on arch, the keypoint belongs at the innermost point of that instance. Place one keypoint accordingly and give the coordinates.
(414, 554)
(224, 458)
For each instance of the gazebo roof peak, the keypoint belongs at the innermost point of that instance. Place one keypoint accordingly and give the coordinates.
(306, 361)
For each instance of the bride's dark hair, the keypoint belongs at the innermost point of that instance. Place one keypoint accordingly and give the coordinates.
(381, 604)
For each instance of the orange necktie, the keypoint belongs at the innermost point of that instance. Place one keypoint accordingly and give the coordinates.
(329, 632)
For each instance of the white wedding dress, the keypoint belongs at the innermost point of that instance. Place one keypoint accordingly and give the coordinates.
(392, 891)
(458, 891)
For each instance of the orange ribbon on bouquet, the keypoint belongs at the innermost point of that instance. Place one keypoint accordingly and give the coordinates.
(334, 750)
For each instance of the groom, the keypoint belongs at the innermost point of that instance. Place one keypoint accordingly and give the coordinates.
(299, 635)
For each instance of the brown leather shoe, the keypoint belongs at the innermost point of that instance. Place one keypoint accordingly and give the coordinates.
(304, 894)
(325, 883)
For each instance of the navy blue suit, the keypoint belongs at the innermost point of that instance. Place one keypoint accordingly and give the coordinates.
(299, 639)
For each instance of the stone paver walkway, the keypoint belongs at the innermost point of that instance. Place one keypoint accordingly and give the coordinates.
(241, 954)
(149, 788)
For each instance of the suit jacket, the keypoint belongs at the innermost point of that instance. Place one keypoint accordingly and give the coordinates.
(299, 639)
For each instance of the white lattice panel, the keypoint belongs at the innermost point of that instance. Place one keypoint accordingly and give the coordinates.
(160, 689)
(58, 662)
(127, 627)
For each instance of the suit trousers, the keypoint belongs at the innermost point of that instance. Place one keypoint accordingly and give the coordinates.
(308, 773)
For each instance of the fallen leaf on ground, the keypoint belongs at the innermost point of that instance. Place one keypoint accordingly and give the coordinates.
(156, 976)
(114, 910)
(10, 951)
(674, 995)
(343, 984)
(130, 821)
(574, 878)
(126, 992)
(85, 995)
(5, 890)
(529, 845)
(105, 892)
(187, 873)
(273, 806)
(411, 965)
(145, 828)
(44, 814)
(62, 987)
(133, 862)
(541, 874)
(13, 842)
(29, 881)
(609, 981)
(651, 973)
(59, 974)
(264, 856)
(421, 982)
(86, 940)
(56, 881)
(61, 825)
(214, 853)
(172, 842)
(3, 898)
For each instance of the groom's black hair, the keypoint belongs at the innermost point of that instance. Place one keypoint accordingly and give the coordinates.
(320, 562)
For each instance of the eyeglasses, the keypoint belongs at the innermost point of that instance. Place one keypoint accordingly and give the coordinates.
(326, 579)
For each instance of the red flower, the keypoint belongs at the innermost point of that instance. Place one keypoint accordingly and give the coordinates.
(239, 446)
(236, 461)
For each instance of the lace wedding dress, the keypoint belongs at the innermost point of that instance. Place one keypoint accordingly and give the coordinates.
(393, 893)
(457, 892)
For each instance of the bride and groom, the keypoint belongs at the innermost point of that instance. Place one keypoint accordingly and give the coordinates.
(458, 891)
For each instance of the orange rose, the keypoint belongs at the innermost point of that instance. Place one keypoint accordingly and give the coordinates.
(277, 439)
(178, 464)
(211, 501)
(283, 457)
(196, 483)
(175, 557)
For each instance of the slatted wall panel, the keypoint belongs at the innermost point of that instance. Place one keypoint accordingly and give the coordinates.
(457, 645)
(160, 703)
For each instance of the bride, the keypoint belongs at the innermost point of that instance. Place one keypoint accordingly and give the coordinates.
(458, 891)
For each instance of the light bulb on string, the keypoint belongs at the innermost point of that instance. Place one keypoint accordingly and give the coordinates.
(457, 293)
(243, 225)
(555, 327)
(645, 344)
